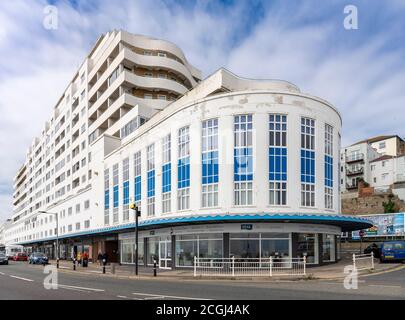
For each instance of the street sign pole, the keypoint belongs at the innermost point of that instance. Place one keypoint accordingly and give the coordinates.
(136, 240)
(134, 207)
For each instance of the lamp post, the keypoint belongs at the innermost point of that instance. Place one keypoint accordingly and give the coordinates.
(57, 234)
(134, 207)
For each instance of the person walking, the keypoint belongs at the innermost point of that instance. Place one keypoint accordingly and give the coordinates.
(79, 258)
(100, 258)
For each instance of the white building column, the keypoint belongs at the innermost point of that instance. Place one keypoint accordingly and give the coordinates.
(226, 168)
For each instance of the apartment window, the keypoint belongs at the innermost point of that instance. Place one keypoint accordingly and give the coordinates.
(138, 181)
(125, 187)
(328, 166)
(106, 196)
(69, 228)
(183, 169)
(148, 96)
(382, 145)
(243, 160)
(210, 168)
(77, 226)
(114, 76)
(87, 205)
(277, 159)
(70, 211)
(162, 97)
(150, 163)
(307, 162)
(82, 95)
(77, 208)
(166, 174)
(148, 74)
(87, 224)
(115, 193)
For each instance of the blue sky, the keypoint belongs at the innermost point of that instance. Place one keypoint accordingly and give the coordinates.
(361, 72)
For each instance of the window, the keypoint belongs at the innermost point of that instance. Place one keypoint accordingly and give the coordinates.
(113, 77)
(382, 145)
(183, 169)
(328, 166)
(77, 226)
(125, 187)
(243, 160)
(77, 208)
(210, 168)
(151, 179)
(277, 159)
(87, 224)
(87, 205)
(307, 162)
(148, 96)
(106, 196)
(115, 193)
(138, 181)
(166, 174)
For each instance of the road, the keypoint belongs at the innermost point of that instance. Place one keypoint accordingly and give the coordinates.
(22, 281)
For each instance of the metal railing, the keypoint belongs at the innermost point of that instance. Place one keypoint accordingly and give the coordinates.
(363, 261)
(253, 267)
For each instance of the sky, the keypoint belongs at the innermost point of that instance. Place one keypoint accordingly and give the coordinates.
(361, 71)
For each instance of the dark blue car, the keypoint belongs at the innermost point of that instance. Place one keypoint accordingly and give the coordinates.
(38, 258)
(392, 251)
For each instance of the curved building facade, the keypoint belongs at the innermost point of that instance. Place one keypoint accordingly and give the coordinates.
(229, 167)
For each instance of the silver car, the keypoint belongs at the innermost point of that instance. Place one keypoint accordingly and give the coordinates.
(3, 258)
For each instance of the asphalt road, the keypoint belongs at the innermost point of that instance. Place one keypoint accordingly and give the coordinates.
(22, 281)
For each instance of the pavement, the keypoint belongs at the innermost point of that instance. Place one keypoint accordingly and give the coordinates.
(22, 281)
(328, 272)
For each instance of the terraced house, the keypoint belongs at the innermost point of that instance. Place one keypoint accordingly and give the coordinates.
(219, 167)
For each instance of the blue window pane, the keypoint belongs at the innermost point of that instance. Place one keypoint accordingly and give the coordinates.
(107, 199)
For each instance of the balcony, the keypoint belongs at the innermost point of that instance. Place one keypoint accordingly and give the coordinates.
(352, 186)
(354, 172)
(359, 157)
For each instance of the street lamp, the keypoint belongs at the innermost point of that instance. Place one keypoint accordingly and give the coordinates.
(134, 207)
(57, 234)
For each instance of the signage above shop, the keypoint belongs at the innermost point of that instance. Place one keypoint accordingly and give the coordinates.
(246, 226)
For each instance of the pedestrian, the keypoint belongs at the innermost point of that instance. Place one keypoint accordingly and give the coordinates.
(85, 259)
(100, 258)
(79, 258)
(105, 258)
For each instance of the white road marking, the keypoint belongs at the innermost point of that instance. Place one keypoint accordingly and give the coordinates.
(160, 296)
(3, 274)
(19, 278)
(384, 286)
(80, 288)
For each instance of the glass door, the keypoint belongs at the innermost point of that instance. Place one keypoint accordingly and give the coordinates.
(165, 254)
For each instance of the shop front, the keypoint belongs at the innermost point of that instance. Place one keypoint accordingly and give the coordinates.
(176, 247)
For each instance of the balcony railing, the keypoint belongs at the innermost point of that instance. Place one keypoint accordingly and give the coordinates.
(355, 171)
(352, 186)
(355, 157)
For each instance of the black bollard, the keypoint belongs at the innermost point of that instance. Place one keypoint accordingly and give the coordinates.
(74, 264)
(154, 268)
(57, 263)
(104, 263)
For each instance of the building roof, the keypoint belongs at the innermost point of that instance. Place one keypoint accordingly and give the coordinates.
(385, 157)
(376, 139)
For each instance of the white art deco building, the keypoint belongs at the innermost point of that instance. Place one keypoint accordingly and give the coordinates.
(221, 167)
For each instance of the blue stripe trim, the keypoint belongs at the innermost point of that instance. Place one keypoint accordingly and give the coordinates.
(363, 223)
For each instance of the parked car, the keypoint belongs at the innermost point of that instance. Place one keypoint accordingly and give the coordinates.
(20, 256)
(38, 258)
(3, 258)
(392, 251)
(374, 248)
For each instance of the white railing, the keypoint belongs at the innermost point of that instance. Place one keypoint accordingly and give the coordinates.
(363, 261)
(242, 267)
